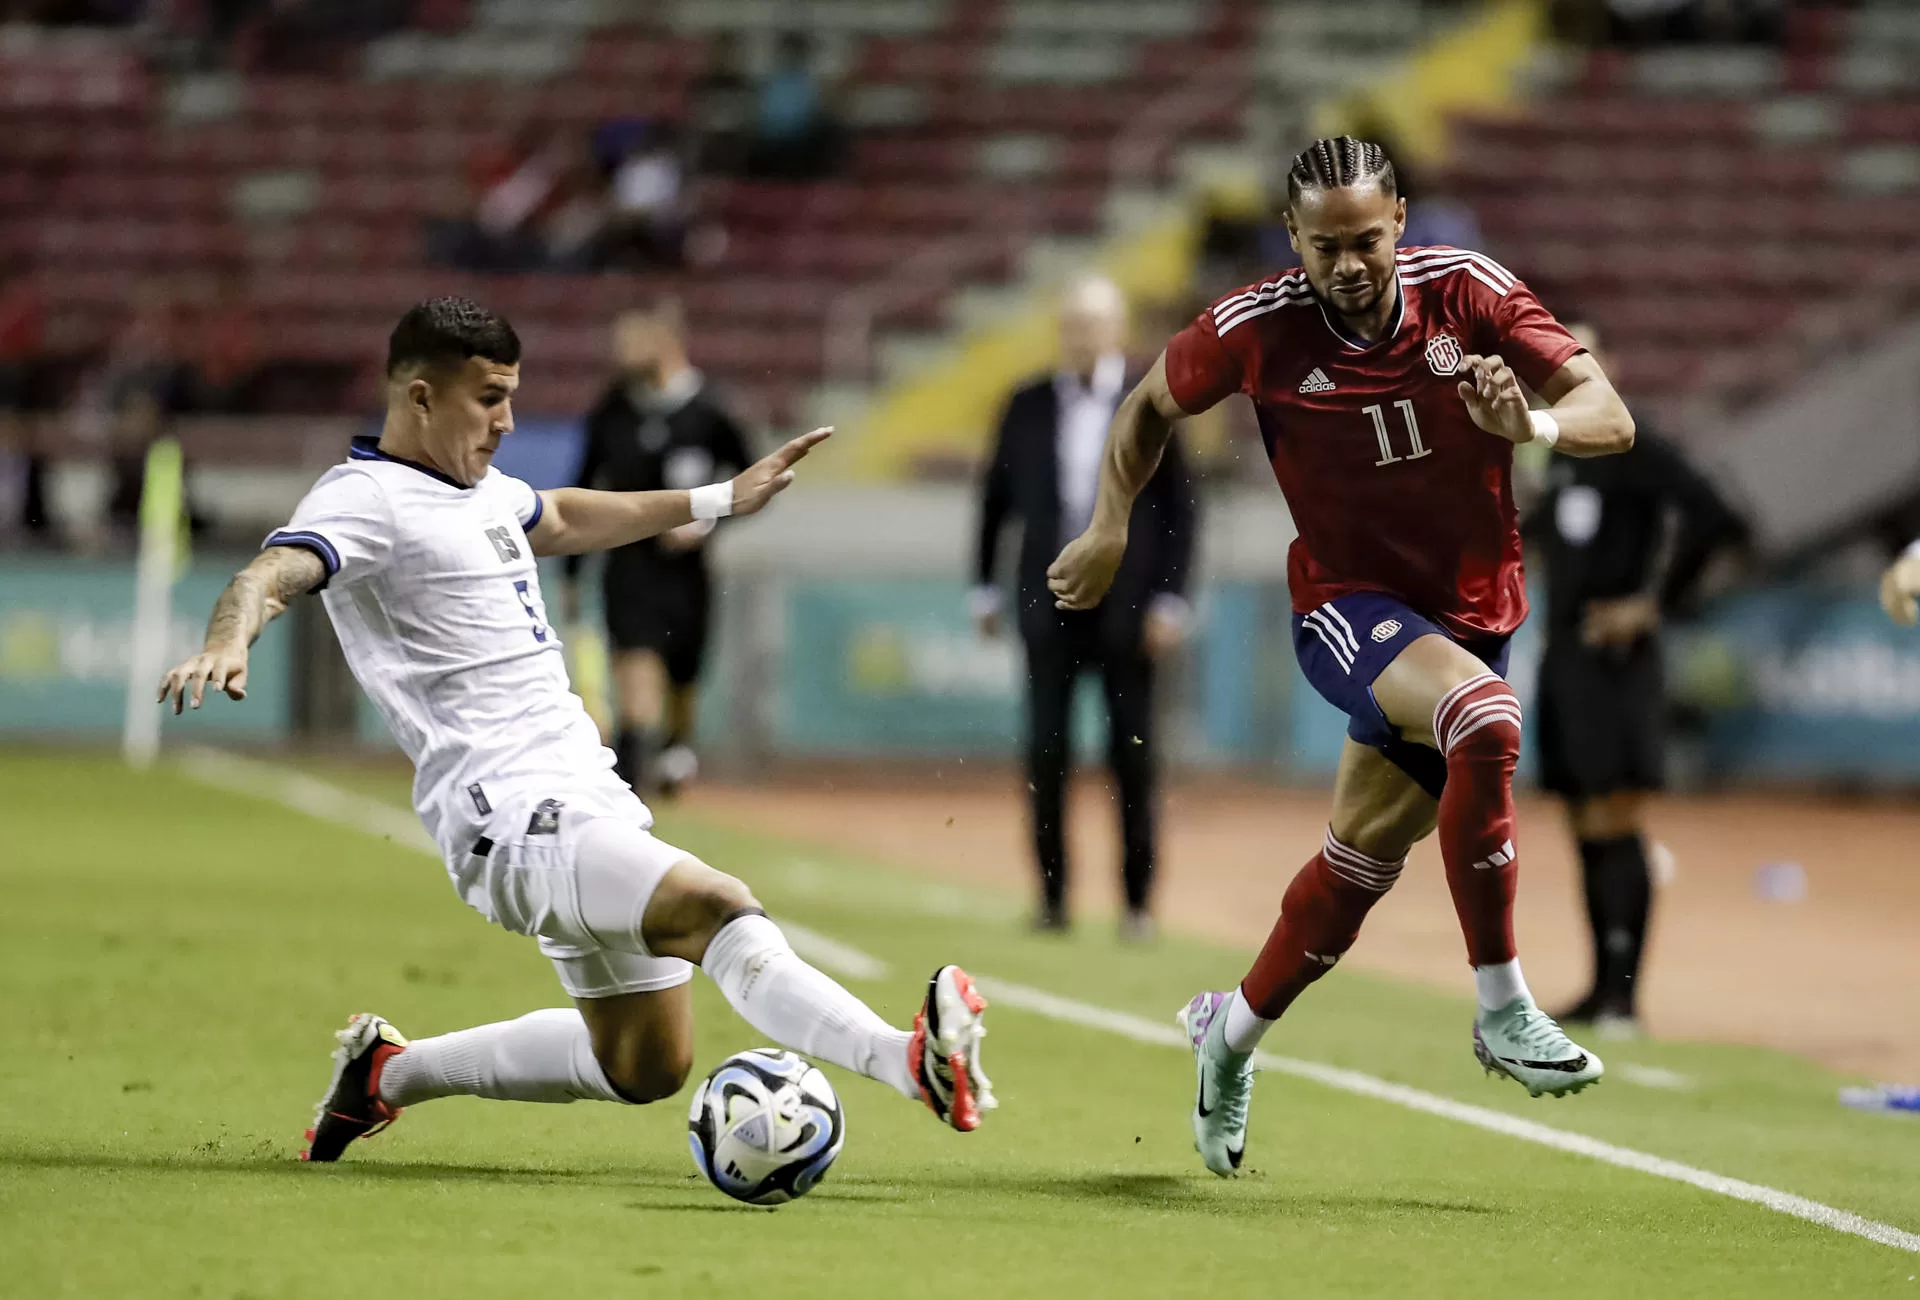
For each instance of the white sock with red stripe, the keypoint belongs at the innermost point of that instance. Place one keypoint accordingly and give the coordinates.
(543, 1056)
(801, 1008)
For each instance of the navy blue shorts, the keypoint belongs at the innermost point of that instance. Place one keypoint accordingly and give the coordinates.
(1346, 643)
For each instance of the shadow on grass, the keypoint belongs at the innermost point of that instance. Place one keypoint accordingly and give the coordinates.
(1196, 1193)
(280, 1164)
(656, 1190)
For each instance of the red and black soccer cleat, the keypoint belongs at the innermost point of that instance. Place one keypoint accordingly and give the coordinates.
(352, 1107)
(944, 1053)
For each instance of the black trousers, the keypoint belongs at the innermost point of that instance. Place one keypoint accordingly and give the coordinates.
(1055, 660)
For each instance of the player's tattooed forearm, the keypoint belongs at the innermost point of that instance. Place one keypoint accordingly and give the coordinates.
(259, 593)
(289, 570)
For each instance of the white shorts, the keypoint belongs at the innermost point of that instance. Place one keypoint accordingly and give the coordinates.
(522, 872)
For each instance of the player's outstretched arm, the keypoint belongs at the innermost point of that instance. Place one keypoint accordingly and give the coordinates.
(257, 595)
(577, 520)
(1080, 576)
(1584, 415)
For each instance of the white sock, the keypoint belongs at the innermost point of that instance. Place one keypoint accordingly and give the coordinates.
(542, 1056)
(1244, 1029)
(800, 1008)
(1499, 985)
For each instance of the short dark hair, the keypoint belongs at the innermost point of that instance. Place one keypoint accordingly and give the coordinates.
(445, 332)
(1337, 164)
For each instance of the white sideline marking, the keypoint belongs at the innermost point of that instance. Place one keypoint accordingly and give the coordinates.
(1652, 1076)
(327, 802)
(831, 955)
(306, 794)
(331, 803)
(1366, 1085)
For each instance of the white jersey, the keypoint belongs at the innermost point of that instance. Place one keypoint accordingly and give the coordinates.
(435, 596)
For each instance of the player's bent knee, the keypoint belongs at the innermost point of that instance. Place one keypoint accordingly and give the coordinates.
(644, 1077)
(651, 1074)
(691, 904)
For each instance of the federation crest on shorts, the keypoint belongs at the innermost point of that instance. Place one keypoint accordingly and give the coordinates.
(1385, 630)
(1444, 354)
(546, 818)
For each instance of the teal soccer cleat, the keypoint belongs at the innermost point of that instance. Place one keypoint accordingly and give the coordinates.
(1522, 1042)
(1224, 1086)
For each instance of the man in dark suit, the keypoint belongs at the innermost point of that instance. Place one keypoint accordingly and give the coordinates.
(1045, 471)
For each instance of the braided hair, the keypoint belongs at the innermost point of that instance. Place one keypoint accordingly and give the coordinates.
(1339, 163)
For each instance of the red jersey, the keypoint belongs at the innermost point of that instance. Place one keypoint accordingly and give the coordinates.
(1392, 485)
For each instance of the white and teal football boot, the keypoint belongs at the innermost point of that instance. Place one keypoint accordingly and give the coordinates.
(1223, 1088)
(1522, 1042)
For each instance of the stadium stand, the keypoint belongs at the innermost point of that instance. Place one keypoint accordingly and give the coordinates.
(1768, 189)
(308, 196)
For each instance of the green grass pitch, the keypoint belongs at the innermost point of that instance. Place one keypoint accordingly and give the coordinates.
(173, 959)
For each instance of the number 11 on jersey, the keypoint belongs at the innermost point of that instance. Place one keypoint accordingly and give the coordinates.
(1379, 416)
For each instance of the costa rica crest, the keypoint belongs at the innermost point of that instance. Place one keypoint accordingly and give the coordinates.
(1444, 354)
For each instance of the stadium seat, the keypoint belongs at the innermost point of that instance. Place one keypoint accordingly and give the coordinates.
(1712, 173)
(976, 128)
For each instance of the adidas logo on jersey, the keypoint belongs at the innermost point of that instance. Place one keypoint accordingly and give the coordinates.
(1316, 382)
(1500, 857)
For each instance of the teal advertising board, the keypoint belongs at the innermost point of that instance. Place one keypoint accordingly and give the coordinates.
(1803, 683)
(65, 634)
(892, 666)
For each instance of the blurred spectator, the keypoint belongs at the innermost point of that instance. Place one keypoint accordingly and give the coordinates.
(722, 108)
(226, 353)
(647, 218)
(23, 323)
(73, 13)
(314, 35)
(23, 316)
(140, 387)
(795, 136)
(1641, 23)
(541, 206)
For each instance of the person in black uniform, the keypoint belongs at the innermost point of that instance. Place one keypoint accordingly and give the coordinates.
(1045, 472)
(1624, 539)
(656, 427)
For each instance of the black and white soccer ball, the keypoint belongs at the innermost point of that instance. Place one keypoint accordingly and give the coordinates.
(765, 1126)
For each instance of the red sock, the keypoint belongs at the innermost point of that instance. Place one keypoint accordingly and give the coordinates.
(1320, 918)
(1478, 727)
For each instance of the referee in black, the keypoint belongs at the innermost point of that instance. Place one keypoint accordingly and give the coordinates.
(1045, 472)
(656, 427)
(1624, 539)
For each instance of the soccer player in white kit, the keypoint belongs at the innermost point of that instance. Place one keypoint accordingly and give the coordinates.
(424, 556)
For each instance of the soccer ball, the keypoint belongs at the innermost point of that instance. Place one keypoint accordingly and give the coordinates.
(765, 1126)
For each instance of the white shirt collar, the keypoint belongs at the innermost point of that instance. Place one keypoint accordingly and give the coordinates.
(1109, 374)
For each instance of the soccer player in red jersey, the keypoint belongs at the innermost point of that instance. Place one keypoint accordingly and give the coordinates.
(1387, 383)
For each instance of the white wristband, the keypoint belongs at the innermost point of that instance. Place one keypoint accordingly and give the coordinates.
(1912, 552)
(714, 501)
(1545, 428)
